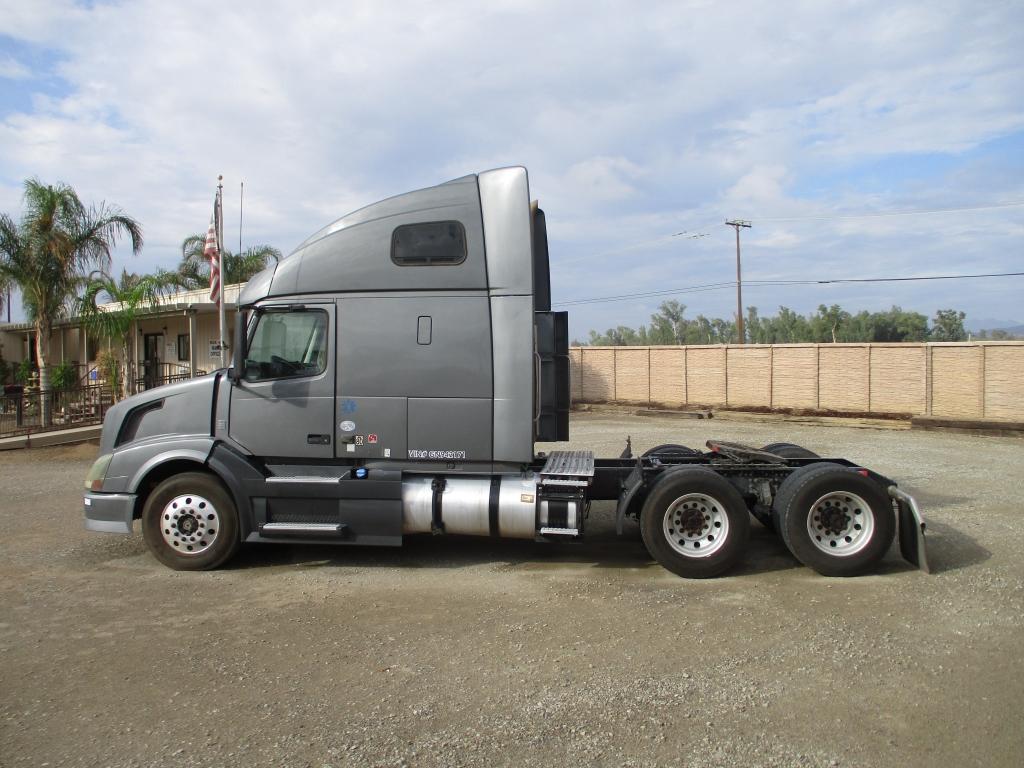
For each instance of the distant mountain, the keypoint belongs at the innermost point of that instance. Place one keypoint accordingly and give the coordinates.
(988, 324)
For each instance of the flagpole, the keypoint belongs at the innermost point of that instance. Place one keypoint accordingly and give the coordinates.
(220, 258)
(241, 200)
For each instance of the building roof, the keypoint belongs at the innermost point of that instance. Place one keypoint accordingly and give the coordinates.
(197, 300)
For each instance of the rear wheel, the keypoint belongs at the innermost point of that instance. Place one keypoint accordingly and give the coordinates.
(833, 519)
(695, 523)
(790, 451)
(786, 451)
(189, 522)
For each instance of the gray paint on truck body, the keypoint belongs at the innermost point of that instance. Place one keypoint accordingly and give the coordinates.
(354, 253)
(277, 417)
(505, 201)
(380, 356)
(469, 390)
(169, 423)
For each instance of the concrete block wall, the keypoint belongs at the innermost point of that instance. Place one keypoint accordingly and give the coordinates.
(969, 380)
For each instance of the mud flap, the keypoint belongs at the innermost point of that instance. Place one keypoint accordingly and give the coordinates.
(911, 529)
(633, 483)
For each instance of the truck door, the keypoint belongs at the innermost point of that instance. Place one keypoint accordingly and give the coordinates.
(283, 404)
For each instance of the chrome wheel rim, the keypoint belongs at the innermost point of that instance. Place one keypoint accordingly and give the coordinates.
(840, 524)
(189, 524)
(695, 525)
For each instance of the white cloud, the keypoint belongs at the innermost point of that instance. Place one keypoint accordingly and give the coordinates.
(12, 69)
(636, 121)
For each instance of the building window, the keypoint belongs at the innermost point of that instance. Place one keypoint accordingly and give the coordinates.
(183, 347)
(428, 244)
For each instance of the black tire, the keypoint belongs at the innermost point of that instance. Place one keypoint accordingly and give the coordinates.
(671, 448)
(859, 526)
(183, 509)
(712, 497)
(786, 451)
(790, 451)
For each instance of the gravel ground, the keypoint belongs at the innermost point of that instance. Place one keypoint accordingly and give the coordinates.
(452, 652)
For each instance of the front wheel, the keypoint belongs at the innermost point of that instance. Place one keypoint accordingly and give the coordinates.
(833, 519)
(695, 523)
(190, 523)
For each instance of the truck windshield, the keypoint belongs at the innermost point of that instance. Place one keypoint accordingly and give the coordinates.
(287, 344)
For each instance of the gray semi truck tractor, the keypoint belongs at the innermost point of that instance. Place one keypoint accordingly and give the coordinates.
(391, 377)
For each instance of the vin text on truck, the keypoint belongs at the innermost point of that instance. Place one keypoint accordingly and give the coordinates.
(391, 377)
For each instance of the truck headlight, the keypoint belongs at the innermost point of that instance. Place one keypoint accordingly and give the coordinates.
(94, 480)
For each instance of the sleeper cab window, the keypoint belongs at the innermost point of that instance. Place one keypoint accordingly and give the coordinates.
(287, 345)
(431, 243)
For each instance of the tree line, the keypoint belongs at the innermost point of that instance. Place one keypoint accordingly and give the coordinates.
(829, 324)
(58, 255)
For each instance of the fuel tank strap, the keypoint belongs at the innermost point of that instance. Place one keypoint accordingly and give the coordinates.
(492, 505)
(436, 522)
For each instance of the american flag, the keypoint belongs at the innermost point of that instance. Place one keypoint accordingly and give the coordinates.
(211, 252)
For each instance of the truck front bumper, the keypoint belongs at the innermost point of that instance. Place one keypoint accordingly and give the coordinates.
(109, 512)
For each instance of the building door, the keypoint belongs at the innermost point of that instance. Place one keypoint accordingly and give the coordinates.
(152, 347)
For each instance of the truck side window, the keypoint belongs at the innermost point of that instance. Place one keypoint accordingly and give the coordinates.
(286, 345)
(428, 244)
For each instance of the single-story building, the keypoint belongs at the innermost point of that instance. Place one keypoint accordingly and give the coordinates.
(176, 339)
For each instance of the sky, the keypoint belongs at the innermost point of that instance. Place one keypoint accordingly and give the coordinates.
(831, 127)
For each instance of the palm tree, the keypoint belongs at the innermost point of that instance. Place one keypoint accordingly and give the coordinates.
(194, 270)
(5, 295)
(132, 295)
(47, 254)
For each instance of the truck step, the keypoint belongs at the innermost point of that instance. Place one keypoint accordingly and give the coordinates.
(571, 468)
(303, 474)
(305, 479)
(303, 529)
(559, 531)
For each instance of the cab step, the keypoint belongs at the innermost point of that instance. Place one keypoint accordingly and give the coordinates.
(333, 530)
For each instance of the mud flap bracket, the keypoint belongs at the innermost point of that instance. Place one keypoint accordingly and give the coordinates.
(630, 486)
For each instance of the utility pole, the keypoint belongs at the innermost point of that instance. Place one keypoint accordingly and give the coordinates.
(736, 224)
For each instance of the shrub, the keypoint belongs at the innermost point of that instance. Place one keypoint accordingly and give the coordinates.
(23, 373)
(62, 376)
(109, 368)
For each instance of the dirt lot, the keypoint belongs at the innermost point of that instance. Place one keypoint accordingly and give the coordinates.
(455, 652)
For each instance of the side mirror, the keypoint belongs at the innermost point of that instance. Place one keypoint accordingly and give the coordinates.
(238, 348)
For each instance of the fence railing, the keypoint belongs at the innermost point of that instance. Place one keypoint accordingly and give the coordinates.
(158, 374)
(26, 412)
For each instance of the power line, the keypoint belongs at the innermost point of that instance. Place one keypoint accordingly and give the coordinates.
(1010, 204)
(765, 283)
(885, 279)
(690, 235)
(646, 294)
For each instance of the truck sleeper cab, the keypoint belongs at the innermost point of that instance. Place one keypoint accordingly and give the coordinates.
(392, 375)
